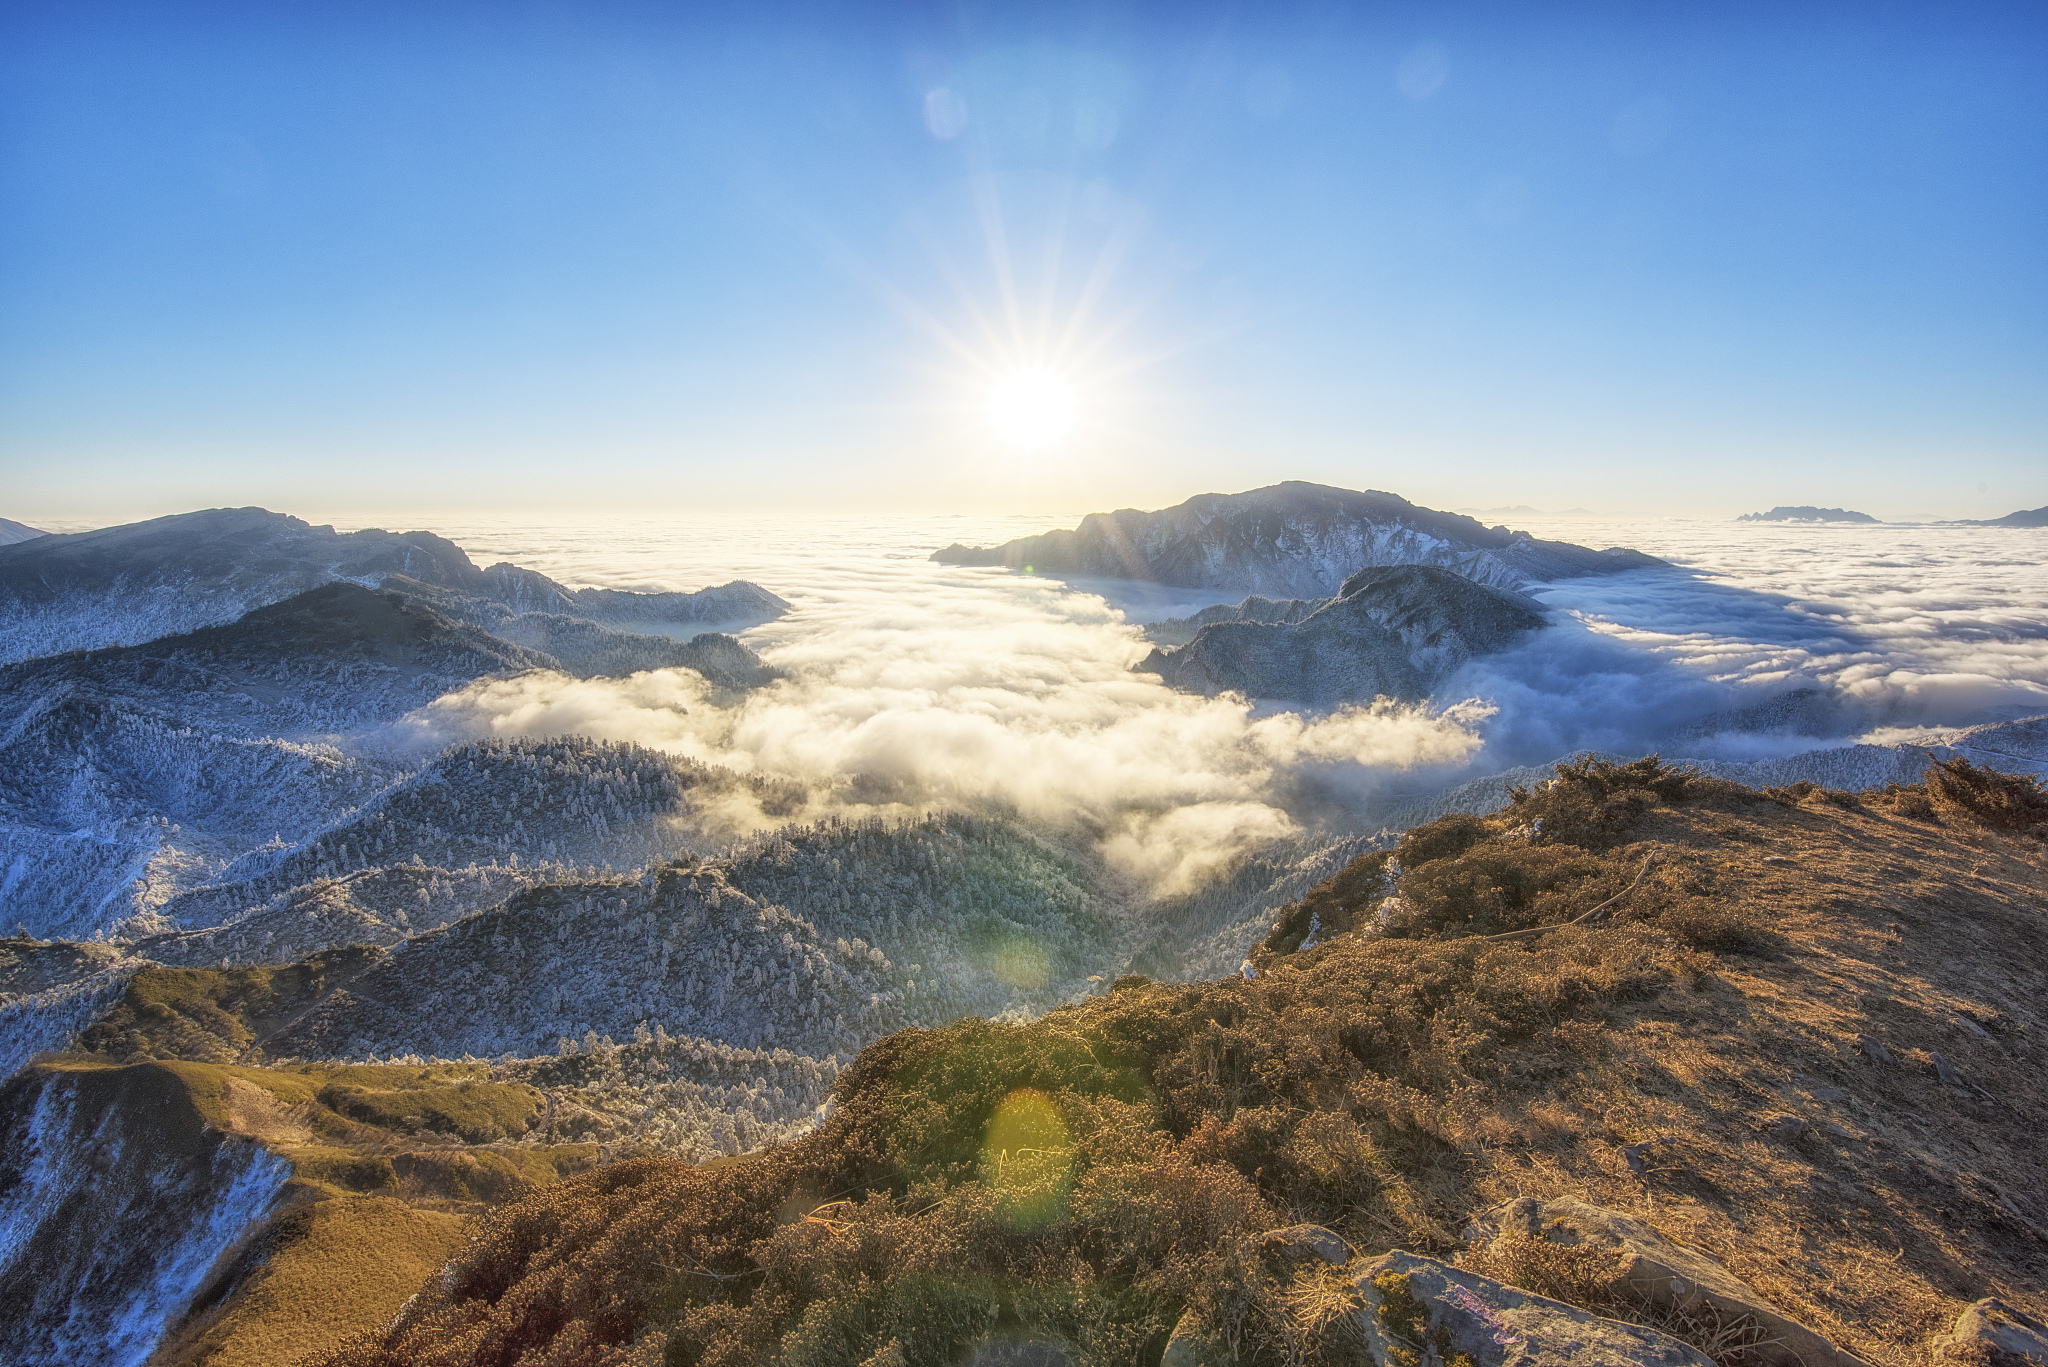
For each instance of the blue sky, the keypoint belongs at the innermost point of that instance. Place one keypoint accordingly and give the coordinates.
(350, 260)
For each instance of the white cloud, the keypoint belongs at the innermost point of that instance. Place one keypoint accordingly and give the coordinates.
(914, 686)
(913, 700)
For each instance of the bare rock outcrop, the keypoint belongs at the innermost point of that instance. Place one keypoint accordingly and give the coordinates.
(1396, 631)
(1994, 1334)
(1664, 1276)
(1405, 1309)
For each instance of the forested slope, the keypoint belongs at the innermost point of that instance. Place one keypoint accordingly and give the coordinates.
(1802, 1035)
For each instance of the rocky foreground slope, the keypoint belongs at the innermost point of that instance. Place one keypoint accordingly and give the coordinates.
(1794, 1032)
(1291, 540)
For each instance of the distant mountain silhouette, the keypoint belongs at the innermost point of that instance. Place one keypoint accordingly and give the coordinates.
(2035, 517)
(1807, 513)
(1292, 540)
(12, 531)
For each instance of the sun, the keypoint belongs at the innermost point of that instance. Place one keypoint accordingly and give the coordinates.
(1031, 409)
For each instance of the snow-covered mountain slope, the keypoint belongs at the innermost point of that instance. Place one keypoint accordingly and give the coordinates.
(813, 940)
(478, 823)
(117, 1198)
(12, 531)
(1390, 632)
(50, 991)
(1178, 631)
(326, 660)
(175, 574)
(106, 811)
(129, 775)
(591, 651)
(1292, 540)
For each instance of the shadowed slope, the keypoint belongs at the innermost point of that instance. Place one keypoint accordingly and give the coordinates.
(1391, 632)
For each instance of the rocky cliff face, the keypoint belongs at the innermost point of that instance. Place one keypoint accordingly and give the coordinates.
(1178, 631)
(1292, 540)
(1394, 632)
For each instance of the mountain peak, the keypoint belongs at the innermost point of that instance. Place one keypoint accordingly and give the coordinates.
(1294, 539)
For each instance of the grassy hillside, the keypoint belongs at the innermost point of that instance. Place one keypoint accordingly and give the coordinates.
(1800, 1032)
(317, 1273)
(385, 1162)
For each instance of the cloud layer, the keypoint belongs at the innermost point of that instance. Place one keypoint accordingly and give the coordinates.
(913, 687)
(948, 688)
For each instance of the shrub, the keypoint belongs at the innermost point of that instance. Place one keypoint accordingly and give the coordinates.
(1986, 797)
(1335, 906)
(1169, 1124)
(1492, 888)
(1909, 801)
(1592, 803)
(1445, 838)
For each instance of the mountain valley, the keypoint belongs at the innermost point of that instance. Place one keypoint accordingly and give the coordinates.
(320, 1002)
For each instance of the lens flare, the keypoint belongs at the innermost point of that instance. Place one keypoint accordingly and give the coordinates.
(1021, 964)
(1027, 1159)
(1031, 409)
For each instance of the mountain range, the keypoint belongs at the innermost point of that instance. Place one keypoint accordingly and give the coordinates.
(293, 990)
(132, 775)
(2026, 517)
(1291, 540)
(146, 580)
(1807, 513)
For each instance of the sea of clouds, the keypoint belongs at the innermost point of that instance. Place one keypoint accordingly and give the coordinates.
(912, 686)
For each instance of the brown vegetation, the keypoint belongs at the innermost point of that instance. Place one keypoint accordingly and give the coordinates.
(1804, 1043)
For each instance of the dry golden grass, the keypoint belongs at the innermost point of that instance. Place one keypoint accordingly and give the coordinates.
(1903, 1197)
(1806, 1041)
(318, 1273)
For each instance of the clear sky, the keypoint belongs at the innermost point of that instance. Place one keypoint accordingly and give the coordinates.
(347, 259)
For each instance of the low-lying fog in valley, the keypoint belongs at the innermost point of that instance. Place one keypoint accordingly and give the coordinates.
(356, 807)
(914, 686)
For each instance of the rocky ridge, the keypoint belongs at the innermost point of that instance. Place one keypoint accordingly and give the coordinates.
(1396, 631)
(1291, 540)
(177, 574)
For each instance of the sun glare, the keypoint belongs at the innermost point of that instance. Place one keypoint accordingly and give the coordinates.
(1031, 409)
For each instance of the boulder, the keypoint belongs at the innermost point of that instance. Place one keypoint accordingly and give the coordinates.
(1994, 1334)
(1418, 1310)
(1193, 1345)
(1408, 1310)
(1664, 1275)
(1301, 1243)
